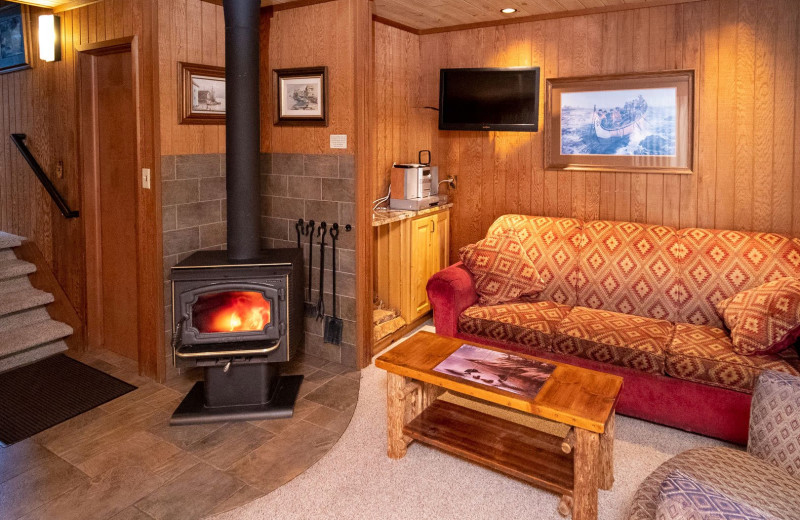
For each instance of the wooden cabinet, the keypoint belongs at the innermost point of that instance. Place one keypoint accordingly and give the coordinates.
(407, 253)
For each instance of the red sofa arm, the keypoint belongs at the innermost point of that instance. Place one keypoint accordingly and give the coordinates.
(450, 292)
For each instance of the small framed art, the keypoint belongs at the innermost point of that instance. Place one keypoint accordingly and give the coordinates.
(301, 96)
(201, 94)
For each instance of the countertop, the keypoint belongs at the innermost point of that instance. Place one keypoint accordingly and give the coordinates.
(381, 216)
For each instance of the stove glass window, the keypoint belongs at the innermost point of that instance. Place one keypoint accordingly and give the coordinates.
(231, 311)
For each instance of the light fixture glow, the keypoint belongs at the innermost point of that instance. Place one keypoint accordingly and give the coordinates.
(508, 10)
(49, 37)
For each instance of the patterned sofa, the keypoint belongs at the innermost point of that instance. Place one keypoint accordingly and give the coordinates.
(637, 301)
(726, 484)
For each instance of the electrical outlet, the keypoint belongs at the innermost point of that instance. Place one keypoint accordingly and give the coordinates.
(146, 178)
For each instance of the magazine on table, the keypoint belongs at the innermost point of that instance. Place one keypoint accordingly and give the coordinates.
(501, 370)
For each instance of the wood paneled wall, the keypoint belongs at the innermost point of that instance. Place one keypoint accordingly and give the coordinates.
(747, 60)
(41, 102)
(310, 36)
(192, 31)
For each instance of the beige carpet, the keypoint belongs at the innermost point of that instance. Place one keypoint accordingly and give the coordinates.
(356, 480)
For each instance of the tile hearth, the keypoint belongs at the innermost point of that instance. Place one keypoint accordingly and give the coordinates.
(122, 460)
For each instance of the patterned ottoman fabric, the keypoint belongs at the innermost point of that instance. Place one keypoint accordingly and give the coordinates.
(631, 268)
(733, 473)
(720, 264)
(765, 319)
(554, 245)
(611, 337)
(705, 355)
(683, 498)
(775, 422)
(502, 269)
(526, 323)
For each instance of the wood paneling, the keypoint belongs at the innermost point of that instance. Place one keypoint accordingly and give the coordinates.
(310, 36)
(42, 103)
(190, 31)
(745, 57)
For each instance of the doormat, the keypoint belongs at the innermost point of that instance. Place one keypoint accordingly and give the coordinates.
(38, 396)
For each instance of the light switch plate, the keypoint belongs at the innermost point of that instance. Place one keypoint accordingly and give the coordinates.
(146, 178)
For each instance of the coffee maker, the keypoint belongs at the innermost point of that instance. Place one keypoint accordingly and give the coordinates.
(415, 186)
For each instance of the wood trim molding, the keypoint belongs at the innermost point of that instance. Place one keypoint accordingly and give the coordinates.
(396, 25)
(362, 13)
(61, 308)
(75, 4)
(108, 46)
(264, 5)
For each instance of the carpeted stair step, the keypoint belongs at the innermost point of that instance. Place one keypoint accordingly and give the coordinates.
(23, 319)
(18, 301)
(7, 240)
(15, 268)
(30, 336)
(27, 357)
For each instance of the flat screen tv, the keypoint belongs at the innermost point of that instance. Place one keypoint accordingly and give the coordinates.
(489, 99)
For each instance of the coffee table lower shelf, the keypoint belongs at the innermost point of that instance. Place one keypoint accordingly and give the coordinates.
(529, 455)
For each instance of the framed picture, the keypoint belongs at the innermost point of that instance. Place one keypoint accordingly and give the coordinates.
(14, 37)
(621, 123)
(201, 94)
(302, 96)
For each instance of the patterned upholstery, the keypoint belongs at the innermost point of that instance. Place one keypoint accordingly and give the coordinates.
(720, 264)
(705, 355)
(631, 268)
(553, 244)
(526, 323)
(619, 339)
(765, 319)
(502, 269)
(775, 422)
(683, 498)
(735, 474)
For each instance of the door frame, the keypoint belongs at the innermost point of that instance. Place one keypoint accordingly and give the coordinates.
(150, 303)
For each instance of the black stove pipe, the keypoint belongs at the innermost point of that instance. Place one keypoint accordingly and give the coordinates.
(242, 134)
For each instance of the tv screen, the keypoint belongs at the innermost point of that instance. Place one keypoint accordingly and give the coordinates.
(489, 99)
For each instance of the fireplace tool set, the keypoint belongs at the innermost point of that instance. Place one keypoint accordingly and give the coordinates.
(333, 323)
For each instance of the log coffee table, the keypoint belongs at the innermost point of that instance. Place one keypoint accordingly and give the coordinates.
(573, 467)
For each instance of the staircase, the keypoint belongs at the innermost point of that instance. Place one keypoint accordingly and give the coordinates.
(27, 333)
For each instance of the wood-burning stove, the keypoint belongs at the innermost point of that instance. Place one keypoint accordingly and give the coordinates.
(238, 320)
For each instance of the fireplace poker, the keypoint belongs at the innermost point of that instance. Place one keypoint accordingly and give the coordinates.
(300, 227)
(321, 232)
(333, 324)
(311, 310)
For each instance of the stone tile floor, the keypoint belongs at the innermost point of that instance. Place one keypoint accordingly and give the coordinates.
(122, 460)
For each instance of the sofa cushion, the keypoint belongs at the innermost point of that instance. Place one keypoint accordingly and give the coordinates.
(525, 322)
(502, 269)
(775, 421)
(705, 355)
(611, 337)
(720, 264)
(732, 472)
(631, 268)
(683, 497)
(765, 319)
(554, 245)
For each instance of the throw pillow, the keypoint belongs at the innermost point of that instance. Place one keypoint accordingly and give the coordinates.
(764, 320)
(502, 269)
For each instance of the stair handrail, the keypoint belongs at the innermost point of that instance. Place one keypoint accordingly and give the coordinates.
(19, 140)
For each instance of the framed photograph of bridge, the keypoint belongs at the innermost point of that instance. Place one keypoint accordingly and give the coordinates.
(621, 123)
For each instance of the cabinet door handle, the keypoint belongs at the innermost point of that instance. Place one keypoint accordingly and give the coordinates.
(433, 226)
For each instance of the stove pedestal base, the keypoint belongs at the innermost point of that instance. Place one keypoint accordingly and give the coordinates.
(193, 409)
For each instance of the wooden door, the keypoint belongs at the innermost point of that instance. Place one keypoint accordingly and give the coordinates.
(108, 127)
(421, 230)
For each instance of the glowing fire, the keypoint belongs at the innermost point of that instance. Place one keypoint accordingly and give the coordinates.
(235, 311)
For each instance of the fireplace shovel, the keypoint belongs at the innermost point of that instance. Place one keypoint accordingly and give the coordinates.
(333, 324)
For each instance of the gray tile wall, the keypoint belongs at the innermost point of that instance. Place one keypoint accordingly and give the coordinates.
(318, 187)
(193, 213)
(293, 186)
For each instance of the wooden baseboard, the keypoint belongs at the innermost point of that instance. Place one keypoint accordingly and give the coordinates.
(61, 309)
(381, 344)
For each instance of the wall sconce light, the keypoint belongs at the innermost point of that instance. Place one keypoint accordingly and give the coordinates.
(49, 37)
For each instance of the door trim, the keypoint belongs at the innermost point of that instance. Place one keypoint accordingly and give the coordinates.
(150, 350)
